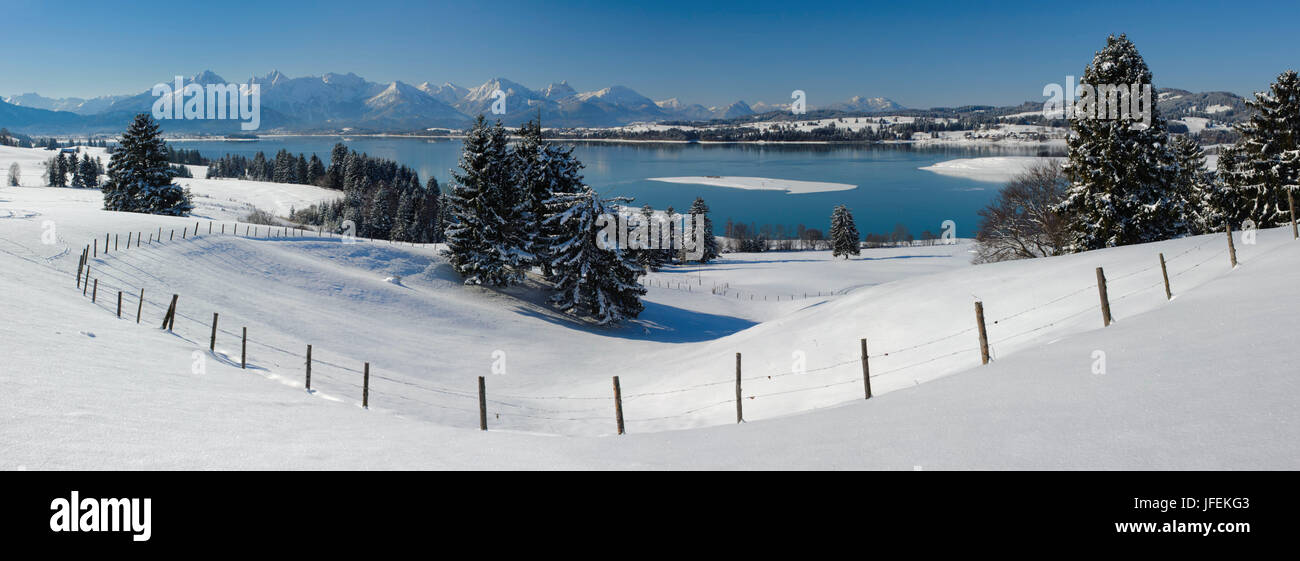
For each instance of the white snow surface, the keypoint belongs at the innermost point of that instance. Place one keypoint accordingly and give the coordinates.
(790, 186)
(1202, 381)
(994, 169)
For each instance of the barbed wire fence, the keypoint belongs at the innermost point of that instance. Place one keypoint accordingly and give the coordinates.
(336, 373)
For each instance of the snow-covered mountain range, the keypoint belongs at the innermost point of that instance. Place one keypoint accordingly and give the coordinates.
(335, 101)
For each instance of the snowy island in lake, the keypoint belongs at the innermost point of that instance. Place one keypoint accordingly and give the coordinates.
(998, 169)
(790, 186)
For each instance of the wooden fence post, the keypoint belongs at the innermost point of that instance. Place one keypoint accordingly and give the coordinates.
(984, 334)
(209, 227)
(106, 243)
(212, 343)
(139, 307)
(482, 404)
(95, 292)
(172, 236)
(1232, 249)
(86, 283)
(1169, 295)
(365, 388)
(618, 405)
(96, 254)
(1290, 198)
(170, 318)
(116, 238)
(866, 370)
(128, 239)
(740, 411)
(1105, 300)
(243, 349)
(308, 367)
(119, 304)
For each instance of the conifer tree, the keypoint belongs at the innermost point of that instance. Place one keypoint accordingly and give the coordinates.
(139, 178)
(649, 258)
(379, 221)
(670, 225)
(1122, 176)
(354, 171)
(301, 170)
(1195, 184)
(428, 215)
(594, 278)
(354, 206)
(1266, 160)
(315, 171)
(844, 233)
(699, 209)
(55, 172)
(404, 220)
(534, 183)
(487, 239)
(338, 162)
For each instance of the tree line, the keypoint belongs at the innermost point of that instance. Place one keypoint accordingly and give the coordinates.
(85, 171)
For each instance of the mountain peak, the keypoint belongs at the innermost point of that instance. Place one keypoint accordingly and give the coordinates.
(558, 90)
(207, 77)
(868, 104)
(275, 76)
(618, 95)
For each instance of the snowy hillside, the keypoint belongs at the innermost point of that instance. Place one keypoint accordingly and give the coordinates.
(1197, 381)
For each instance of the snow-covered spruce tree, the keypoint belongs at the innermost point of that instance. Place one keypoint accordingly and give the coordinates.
(139, 178)
(354, 207)
(1198, 184)
(650, 259)
(1227, 202)
(534, 181)
(699, 209)
(15, 174)
(404, 221)
(844, 233)
(315, 171)
(57, 167)
(487, 237)
(427, 224)
(88, 174)
(594, 278)
(78, 180)
(379, 221)
(354, 171)
(338, 163)
(563, 175)
(1122, 174)
(667, 253)
(1268, 157)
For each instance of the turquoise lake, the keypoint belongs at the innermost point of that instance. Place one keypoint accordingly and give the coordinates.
(890, 187)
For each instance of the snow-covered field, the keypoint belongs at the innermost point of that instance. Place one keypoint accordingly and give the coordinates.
(790, 186)
(1201, 381)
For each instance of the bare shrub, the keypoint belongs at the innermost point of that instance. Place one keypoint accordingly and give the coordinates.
(1020, 223)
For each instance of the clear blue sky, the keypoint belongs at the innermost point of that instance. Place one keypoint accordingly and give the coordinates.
(919, 54)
